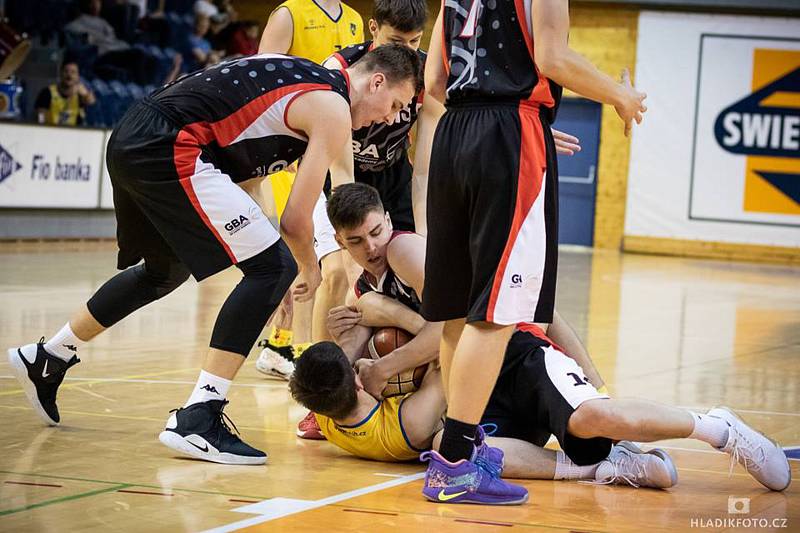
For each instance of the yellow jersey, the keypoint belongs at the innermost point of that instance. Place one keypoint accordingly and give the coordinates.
(316, 35)
(380, 436)
(63, 111)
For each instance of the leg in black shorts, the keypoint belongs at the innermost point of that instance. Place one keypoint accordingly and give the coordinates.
(493, 180)
(538, 390)
(394, 186)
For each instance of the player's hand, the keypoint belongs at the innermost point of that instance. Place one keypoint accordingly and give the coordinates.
(631, 106)
(308, 279)
(372, 377)
(341, 319)
(566, 144)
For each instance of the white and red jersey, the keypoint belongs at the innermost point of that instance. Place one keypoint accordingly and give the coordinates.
(233, 115)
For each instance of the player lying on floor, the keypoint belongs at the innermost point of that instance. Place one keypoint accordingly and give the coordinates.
(541, 391)
(554, 396)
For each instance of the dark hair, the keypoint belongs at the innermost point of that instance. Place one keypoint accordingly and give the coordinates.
(324, 381)
(350, 204)
(397, 62)
(402, 15)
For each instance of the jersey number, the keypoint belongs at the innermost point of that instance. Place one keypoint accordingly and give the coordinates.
(577, 378)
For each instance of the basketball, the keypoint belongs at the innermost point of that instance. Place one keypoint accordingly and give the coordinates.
(384, 341)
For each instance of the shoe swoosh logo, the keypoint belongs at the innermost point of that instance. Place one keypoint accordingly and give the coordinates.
(204, 448)
(443, 496)
(44, 370)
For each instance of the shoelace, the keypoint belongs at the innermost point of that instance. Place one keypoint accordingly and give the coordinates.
(491, 469)
(221, 420)
(739, 451)
(621, 465)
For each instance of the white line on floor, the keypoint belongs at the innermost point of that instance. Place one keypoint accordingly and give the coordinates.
(277, 385)
(280, 507)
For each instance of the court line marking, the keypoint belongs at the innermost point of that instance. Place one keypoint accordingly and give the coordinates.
(283, 384)
(145, 418)
(280, 507)
(94, 380)
(78, 496)
(131, 484)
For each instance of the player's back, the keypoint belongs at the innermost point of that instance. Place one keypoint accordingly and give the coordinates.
(316, 34)
(236, 110)
(489, 47)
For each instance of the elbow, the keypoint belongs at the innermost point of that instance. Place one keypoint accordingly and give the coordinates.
(550, 62)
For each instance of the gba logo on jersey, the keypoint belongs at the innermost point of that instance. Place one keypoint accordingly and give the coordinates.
(8, 165)
(764, 127)
(516, 281)
(236, 224)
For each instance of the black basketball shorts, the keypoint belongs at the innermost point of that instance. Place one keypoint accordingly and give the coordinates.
(492, 216)
(536, 393)
(172, 203)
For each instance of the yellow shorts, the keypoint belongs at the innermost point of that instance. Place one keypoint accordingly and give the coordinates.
(281, 187)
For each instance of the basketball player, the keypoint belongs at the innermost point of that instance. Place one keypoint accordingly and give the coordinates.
(311, 30)
(491, 249)
(541, 391)
(176, 160)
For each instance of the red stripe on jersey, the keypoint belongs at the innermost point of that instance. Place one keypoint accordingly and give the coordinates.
(445, 55)
(532, 163)
(537, 332)
(340, 59)
(541, 92)
(186, 183)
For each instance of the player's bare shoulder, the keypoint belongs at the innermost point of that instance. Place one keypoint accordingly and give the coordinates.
(320, 110)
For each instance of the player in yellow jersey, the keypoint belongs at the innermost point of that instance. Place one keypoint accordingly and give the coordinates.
(312, 29)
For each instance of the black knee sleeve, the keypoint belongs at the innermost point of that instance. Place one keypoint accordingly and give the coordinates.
(267, 277)
(135, 287)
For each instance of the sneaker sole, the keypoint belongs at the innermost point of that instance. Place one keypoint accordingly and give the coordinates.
(778, 446)
(302, 434)
(21, 373)
(273, 373)
(172, 440)
(478, 502)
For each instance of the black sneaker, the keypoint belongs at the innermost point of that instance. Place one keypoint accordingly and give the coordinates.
(200, 431)
(41, 378)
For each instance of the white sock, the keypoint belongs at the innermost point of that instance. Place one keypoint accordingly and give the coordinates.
(64, 344)
(208, 387)
(566, 469)
(710, 429)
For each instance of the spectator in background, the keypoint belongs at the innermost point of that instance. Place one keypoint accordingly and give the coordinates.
(244, 40)
(200, 54)
(114, 55)
(63, 103)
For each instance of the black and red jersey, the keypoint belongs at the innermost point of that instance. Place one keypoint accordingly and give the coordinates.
(488, 53)
(389, 284)
(233, 115)
(377, 146)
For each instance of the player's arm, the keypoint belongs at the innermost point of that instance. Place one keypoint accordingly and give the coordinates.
(562, 334)
(324, 117)
(423, 410)
(379, 311)
(406, 256)
(278, 33)
(429, 116)
(554, 58)
(435, 74)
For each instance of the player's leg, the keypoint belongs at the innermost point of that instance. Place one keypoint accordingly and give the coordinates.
(645, 421)
(465, 191)
(447, 348)
(41, 367)
(331, 292)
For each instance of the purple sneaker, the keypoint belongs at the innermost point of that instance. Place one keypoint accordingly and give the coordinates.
(474, 481)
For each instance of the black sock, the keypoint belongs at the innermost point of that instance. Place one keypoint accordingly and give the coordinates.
(458, 440)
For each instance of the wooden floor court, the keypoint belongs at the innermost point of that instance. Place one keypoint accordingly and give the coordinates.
(687, 332)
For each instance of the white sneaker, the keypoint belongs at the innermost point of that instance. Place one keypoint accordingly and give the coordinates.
(627, 463)
(761, 457)
(272, 363)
